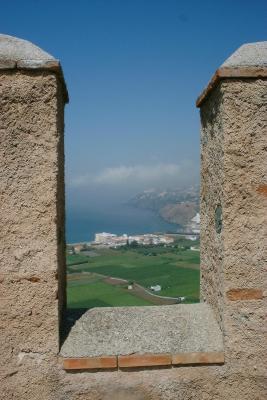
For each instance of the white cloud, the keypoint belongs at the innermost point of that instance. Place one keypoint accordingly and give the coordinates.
(130, 174)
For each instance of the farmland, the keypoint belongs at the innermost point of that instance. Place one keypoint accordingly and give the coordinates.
(174, 268)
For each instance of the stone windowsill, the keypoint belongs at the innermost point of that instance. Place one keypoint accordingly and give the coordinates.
(127, 337)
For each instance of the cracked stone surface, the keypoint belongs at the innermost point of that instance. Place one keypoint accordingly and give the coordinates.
(155, 329)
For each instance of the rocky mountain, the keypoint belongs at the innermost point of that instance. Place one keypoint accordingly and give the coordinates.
(177, 206)
(180, 213)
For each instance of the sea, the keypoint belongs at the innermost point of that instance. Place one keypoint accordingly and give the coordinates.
(81, 226)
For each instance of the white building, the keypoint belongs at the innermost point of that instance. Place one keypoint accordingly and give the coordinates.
(195, 223)
(194, 248)
(191, 237)
(156, 288)
(104, 237)
(111, 240)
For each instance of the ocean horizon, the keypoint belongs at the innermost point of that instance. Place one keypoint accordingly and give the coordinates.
(81, 226)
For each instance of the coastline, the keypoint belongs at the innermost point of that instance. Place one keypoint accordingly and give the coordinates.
(81, 226)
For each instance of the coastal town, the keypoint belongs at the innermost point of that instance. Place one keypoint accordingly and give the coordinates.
(112, 240)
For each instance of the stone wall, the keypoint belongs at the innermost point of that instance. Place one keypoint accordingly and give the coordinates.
(211, 203)
(32, 249)
(233, 258)
(233, 238)
(245, 222)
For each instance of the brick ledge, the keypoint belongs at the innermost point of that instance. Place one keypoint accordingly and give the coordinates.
(231, 72)
(142, 360)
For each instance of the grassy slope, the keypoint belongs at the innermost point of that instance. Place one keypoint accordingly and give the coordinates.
(101, 294)
(76, 259)
(177, 271)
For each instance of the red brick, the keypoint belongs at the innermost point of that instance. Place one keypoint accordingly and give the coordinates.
(102, 362)
(244, 294)
(144, 360)
(262, 189)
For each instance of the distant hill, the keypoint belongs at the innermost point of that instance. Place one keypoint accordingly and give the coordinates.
(177, 206)
(180, 213)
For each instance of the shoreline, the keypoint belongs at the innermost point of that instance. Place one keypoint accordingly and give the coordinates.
(80, 227)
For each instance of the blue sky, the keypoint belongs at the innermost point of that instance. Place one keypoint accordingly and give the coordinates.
(134, 69)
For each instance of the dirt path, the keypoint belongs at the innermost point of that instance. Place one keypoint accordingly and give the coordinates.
(140, 291)
(115, 281)
(137, 290)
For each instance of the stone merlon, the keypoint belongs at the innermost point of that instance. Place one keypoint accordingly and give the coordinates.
(21, 54)
(249, 61)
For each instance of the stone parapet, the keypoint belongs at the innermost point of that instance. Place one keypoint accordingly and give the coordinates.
(123, 331)
(233, 202)
(32, 240)
(216, 350)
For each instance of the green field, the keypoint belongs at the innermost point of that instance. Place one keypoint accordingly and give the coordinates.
(101, 294)
(176, 270)
(76, 259)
